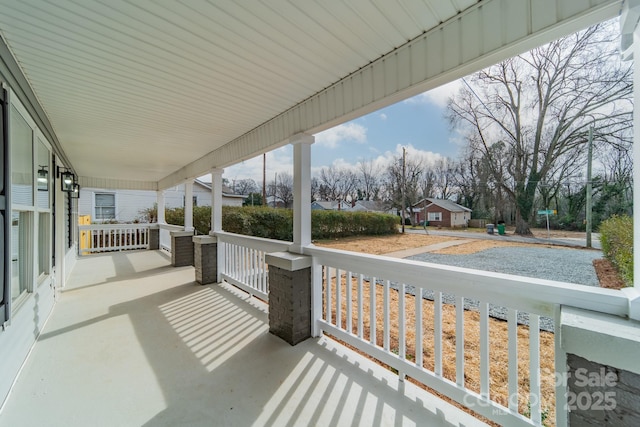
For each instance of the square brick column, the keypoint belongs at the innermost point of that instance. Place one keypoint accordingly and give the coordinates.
(289, 296)
(154, 237)
(603, 374)
(205, 250)
(181, 248)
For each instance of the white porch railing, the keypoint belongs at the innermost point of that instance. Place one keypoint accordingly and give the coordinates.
(415, 340)
(96, 238)
(244, 263)
(165, 235)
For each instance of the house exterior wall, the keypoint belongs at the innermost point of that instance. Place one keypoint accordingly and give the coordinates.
(459, 219)
(129, 203)
(35, 265)
(445, 216)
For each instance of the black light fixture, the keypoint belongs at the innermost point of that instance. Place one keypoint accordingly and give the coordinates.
(75, 194)
(68, 179)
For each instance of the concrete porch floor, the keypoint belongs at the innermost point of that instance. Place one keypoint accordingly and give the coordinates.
(135, 342)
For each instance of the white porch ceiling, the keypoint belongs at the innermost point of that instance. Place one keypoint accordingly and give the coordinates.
(160, 91)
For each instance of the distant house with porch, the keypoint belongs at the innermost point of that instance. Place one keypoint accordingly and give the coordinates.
(441, 213)
(105, 205)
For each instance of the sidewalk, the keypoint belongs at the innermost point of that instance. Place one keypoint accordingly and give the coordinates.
(429, 248)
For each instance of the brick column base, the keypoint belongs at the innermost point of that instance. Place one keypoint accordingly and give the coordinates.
(181, 248)
(289, 296)
(205, 252)
(154, 238)
(603, 374)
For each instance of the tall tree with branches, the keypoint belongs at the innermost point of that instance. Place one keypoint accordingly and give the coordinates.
(540, 106)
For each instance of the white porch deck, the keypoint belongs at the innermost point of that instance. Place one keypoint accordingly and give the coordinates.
(134, 341)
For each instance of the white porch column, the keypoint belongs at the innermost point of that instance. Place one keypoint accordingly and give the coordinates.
(216, 200)
(301, 191)
(160, 203)
(188, 205)
(631, 50)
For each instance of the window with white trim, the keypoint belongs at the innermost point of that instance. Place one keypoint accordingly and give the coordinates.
(435, 216)
(105, 206)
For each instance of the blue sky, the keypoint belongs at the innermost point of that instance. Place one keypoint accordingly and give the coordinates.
(417, 123)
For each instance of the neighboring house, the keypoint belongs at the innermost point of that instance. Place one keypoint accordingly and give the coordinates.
(104, 205)
(372, 206)
(442, 213)
(335, 205)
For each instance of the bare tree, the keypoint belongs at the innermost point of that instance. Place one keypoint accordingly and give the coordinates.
(443, 174)
(245, 186)
(284, 189)
(338, 184)
(369, 178)
(410, 183)
(539, 105)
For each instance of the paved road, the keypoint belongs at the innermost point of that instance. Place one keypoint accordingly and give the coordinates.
(512, 238)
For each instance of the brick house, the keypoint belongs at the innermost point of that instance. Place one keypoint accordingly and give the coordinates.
(441, 213)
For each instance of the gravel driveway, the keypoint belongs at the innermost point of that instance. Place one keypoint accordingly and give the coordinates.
(564, 265)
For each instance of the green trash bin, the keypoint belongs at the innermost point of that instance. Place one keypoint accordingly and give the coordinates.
(501, 229)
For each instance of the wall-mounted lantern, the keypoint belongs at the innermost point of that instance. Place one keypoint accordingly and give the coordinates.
(67, 179)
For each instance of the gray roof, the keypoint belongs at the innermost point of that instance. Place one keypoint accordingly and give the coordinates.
(445, 204)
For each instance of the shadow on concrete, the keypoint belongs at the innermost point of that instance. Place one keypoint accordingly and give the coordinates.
(201, 356)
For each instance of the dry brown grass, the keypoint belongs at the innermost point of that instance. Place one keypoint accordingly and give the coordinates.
(478, 246)
(498, 334)
(379, 245)
(499, 351)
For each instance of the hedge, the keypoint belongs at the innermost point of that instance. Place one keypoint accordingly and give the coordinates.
(616, 237)
(277, 224)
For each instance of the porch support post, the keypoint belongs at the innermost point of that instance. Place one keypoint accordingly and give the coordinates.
(213, 253)
(301, 191)
(630, 41)
(216, 200)
(160, 203)
(188, 205)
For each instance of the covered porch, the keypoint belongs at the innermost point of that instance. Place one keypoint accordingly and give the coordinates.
(150, 96)
(135, 341)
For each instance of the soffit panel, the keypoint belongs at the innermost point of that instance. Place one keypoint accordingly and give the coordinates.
(137, 90)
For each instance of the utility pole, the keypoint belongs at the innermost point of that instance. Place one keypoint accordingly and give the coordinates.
(404, 183)
(264, 179)
(589, 186)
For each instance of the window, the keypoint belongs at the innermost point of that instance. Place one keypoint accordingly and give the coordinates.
(105, 206)
(435, 216)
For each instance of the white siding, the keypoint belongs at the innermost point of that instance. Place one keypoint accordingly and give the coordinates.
(129, 203)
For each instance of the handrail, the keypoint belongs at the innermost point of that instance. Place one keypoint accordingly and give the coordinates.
(95, 238)
(242, 262)
(258, 243)
(523, 293)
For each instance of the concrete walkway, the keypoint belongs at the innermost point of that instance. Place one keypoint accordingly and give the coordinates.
(429, 248)
(135, 342)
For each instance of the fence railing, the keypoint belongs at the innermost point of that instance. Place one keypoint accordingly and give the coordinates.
(244, 263)
(95, 238)
(442, 325)
(165, 235)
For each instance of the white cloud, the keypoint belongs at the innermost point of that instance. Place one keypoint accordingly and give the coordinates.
(428, 159)
(383, 116)
(278, 161)
(345, 133)
(438, 96)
